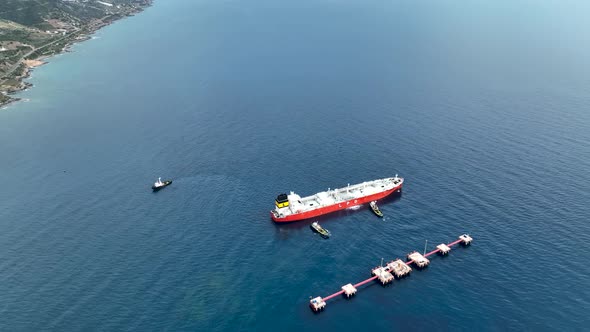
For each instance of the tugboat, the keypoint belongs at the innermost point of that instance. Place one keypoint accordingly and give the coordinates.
(159, 184)
(322, 231)
(375, 209)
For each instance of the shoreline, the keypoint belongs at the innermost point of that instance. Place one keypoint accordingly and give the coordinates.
(28, 63)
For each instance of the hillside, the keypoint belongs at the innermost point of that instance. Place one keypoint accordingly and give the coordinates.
(32, 29)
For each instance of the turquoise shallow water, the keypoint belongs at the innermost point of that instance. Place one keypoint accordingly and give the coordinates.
(481, 106)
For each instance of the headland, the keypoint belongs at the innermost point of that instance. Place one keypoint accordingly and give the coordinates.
(31, 31)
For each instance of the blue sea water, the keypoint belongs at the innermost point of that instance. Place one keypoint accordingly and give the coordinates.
(483, 107)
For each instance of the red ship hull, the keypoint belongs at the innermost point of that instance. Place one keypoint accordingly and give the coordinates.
(335, 207)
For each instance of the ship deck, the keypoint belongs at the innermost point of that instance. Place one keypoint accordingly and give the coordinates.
(329, 201)
(335, 196)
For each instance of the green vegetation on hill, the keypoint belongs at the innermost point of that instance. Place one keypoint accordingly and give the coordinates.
(3, 98)
(35, 13)
(30, 29)
(12, 33)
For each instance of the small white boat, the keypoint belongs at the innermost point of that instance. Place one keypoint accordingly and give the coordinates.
(322, 231)
(159, 184)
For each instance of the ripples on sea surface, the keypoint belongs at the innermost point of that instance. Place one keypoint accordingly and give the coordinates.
(481, 106)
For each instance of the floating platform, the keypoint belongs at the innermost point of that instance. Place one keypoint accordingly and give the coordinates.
(443, 249)
(317, 304)
(385, 274)
(417, 258)
(349, 290)
(466, 239)
(399, 268)
(382, 273)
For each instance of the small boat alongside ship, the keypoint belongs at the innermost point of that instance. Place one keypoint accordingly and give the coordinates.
(292, 207)
(159, 184)
(375, 209)
(319, 229)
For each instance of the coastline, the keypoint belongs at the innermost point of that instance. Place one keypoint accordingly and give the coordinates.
(39, 57)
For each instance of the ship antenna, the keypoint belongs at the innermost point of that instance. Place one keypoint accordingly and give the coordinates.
(381, 261)
(425, 244)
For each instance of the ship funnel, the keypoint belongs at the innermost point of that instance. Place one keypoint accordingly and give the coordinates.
(282, 201)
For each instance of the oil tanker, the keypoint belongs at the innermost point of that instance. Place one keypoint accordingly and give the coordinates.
(292, 207)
